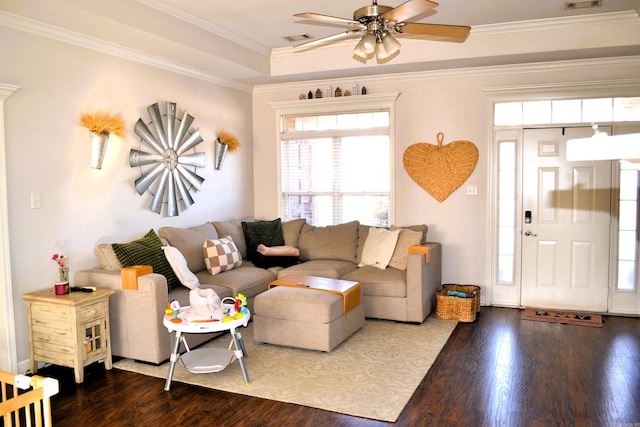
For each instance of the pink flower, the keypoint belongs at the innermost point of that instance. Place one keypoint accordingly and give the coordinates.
(61, 260)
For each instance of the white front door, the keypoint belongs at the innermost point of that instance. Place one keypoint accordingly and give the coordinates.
(565, 224)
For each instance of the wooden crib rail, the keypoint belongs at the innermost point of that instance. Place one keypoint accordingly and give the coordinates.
(26, 400)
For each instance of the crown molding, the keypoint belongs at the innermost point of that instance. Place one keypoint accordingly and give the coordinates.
(44, 30)
(623, 87)
(205, 25)
(542, 67)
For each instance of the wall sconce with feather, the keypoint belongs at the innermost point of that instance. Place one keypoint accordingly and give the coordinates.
(101, 125)
(226, 142)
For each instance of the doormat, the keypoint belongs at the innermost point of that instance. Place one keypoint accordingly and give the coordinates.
(565, 317)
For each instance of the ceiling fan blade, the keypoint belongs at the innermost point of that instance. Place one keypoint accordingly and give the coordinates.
(409, 10)
(317, 16)
(339, 36)
(455, 31)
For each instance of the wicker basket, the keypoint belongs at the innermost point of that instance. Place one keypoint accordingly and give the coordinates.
(461, 309)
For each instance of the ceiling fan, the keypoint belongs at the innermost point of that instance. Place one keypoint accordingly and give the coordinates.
(378, 23)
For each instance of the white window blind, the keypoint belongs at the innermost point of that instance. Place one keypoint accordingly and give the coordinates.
(337, 168)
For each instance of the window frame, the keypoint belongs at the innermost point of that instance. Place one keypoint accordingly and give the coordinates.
(338, 105)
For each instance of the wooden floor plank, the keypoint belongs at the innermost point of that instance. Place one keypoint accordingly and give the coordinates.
(496, 371)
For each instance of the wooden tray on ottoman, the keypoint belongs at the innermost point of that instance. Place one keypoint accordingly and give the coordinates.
(350, 291)
(453, 307)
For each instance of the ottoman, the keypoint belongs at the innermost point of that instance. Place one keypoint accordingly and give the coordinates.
(303, 318)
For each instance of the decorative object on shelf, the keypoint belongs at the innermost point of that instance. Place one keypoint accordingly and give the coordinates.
(440, 170)
(318, 93)
(338, 92)
(62, 286)
(328, 92)
(310, 95)
(363, 91)
(378, 23)
(354, 89)
(225, 142)
(302, 96)
(101, 125)
(168, 163)
(63, 266)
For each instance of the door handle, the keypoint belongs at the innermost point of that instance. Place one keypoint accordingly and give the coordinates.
(529, 233)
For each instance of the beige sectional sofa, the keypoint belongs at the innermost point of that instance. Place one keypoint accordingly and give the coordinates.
(405, 293)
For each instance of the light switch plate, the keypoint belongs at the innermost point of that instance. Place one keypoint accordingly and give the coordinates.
(35, 201)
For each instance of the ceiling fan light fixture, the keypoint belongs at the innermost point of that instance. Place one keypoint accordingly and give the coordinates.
(381, 51)
(360, 49)
(391, 45)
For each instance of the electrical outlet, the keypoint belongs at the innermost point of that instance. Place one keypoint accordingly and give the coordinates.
(472, 190)
(35, 201)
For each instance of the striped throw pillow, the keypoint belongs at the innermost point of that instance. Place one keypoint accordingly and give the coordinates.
(221, 255)
(401, 253)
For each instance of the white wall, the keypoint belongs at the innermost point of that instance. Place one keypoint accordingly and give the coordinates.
(450, 102)
(48, 153)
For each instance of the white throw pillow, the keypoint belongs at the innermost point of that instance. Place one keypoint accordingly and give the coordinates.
(379, 247)
(179, 266)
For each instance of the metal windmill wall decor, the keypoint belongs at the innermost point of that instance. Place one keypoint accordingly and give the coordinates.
(169, 177)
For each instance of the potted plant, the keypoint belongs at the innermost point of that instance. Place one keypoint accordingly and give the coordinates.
(101, 124)
(225, 142)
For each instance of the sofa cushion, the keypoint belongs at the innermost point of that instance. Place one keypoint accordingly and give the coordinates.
(221, 255)
(379, 247)
(189, 242)
(107, 259)
(338, 242)
(406, 238)
(333, 269)
(179, 266)
(387, 283)
(146, 251)
(233, 228)
(268, 233)
(246, 279)
(421, 228)
(291, 231)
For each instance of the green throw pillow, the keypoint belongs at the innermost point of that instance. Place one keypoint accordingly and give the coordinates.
(146, 251)
(268, 233)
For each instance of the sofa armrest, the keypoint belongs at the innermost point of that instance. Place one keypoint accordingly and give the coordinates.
(135, 315)
(424, 277)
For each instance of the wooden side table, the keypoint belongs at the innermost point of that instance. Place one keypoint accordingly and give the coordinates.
(69, 330)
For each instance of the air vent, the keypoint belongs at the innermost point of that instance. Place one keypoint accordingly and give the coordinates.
(298, 38)
(583, 4)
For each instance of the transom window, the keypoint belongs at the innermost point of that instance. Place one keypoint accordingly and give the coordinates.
(336, 167)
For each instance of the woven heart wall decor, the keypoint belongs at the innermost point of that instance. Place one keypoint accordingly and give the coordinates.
(439, 169)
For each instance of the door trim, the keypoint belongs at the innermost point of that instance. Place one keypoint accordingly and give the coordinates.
(8, 359)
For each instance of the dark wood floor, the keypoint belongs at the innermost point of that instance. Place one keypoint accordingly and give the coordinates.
(497, 371)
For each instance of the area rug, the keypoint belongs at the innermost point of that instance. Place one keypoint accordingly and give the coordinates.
(372, 374)
(565, 317)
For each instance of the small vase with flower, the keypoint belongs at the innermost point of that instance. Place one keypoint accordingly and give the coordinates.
(62, 286)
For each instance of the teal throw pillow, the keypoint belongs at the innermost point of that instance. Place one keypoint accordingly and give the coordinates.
(146, 251)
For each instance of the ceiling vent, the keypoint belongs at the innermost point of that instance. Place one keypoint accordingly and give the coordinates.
(298, 38)
(583, 4)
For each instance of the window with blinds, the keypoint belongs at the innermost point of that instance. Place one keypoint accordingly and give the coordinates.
(337, 168)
